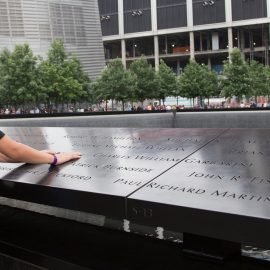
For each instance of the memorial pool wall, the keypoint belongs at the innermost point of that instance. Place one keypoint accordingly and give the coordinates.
(211, 119)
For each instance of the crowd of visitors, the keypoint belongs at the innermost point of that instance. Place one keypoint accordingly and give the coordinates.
(137, 108)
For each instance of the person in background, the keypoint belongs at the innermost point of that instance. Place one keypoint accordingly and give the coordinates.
(12, 151)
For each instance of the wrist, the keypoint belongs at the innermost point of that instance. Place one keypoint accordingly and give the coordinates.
(55, 160)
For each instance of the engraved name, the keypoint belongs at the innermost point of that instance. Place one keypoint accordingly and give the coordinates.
(121, 138)
(19, 171)
(113, 146)
(235, 178)
(218, 163)
(105, 146)
(216, 193)
(112, 167)
(103, 137)
(163, 148)
(184, 140)
(243, 142)
(207, 176)
(250, 197)
(137, 157)
(246, 152)
(128, 182)
(73, 176)
(192, 190)
(75, 136)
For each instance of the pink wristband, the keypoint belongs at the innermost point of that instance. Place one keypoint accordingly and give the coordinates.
(54, 160)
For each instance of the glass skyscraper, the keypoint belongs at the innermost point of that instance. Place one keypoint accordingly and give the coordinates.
(39, 22)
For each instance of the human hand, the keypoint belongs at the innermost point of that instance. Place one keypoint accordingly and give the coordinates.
(66, 156)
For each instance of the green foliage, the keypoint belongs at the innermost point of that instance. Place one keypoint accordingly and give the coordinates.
(146, 82)
(197, 81)
(236, 80)
(212, 84)
(267, 82)
(19, 76)
(191, 81)
(26, 79)
(258, 78)
(62, 78)
(115, 83)
(167, 81)
(4, 77)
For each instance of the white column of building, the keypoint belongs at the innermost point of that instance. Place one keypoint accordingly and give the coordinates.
(266, 34)
(228, 12)
(121, 31)
(190, 26)
(268, 8)
(123, 53)
(156, 48)
(230, 39)
(191, 42)
(266, 53)
(154, 30)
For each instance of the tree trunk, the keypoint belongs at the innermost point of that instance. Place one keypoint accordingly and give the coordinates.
(201, 101)
(123, 105)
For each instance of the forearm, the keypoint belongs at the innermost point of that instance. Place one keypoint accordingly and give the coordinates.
(12, 151)
(27, 154)
(4, 158)
(23, 153)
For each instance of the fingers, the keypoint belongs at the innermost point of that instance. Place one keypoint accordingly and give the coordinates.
(67, 156)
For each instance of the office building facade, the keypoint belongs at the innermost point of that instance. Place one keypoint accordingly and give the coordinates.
(177, 30)
(39, 22)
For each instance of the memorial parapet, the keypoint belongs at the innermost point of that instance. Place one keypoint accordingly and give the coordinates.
(115, 163)
(222, 191)
(211, 183)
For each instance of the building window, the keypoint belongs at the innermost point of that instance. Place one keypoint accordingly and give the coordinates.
(177, 44)
(112, 50)
(140, 47)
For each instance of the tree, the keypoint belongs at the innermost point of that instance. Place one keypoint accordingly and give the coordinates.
(4, 77)
(258, 79)
(211, 86)
(114, 83)
(146, 82)
(267, 71)
(236, 76)
(194, 82)
(79, 82)
(63, 80)
(19, 76)
(167, 82)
